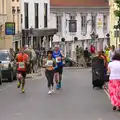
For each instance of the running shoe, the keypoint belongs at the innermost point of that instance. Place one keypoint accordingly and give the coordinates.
(23, 90)
(60, 84)
(57, 86)
(18, 85)
(50, 92)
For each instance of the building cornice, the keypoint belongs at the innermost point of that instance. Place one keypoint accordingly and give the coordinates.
(79, 10)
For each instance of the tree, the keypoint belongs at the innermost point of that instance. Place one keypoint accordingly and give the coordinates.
(117, 12)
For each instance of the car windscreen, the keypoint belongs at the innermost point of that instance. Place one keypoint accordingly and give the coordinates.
(4, 56)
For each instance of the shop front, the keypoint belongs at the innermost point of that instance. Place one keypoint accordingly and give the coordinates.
(38, 38)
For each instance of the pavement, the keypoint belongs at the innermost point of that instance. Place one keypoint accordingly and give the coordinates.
(75, 101)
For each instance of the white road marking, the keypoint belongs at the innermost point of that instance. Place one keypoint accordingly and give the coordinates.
(107, 93)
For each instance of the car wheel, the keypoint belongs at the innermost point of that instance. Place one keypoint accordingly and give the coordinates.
(1, 81)
(15, 76)
(0, 78)
(10, 79)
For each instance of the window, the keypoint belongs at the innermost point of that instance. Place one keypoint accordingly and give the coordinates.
(26, 15)
(83, 24)
(58, 23)
(93, 27)
(36, 15)
(105, 23)
(72, 18)
(45, 14)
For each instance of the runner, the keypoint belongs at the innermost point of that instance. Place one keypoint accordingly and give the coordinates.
(50, 64)
(22, 60)
(59, 57)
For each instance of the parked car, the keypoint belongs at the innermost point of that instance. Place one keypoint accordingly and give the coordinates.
(0, 74)
(8, 68)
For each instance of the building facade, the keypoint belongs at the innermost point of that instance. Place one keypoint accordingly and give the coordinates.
(35, 23)
(10, 12)
(78, 21)
(114, 40)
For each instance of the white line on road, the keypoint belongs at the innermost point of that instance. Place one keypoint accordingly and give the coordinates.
(107, 93)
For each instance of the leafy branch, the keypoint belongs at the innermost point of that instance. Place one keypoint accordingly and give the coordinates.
(117, 12)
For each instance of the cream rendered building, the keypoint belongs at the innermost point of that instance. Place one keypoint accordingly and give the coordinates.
(10, 12)
(113, 22)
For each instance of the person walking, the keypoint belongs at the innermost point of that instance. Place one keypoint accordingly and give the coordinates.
(59, 57)
(50, 64)
(114, 82)
(86, 56)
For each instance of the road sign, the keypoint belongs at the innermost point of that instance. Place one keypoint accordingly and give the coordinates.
(10, 28)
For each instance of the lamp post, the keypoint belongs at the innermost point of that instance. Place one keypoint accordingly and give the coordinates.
(108, 39)
(94, 37)
(13, 12)
(18, 18)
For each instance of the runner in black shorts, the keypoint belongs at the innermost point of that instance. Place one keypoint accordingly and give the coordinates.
(58, 56)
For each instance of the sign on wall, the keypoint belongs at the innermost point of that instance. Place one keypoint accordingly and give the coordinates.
(99, 22)
(10, 28)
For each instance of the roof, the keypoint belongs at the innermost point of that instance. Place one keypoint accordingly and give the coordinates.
(79, 3)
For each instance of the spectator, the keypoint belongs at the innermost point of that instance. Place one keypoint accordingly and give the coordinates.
(86, 55)
(111, 53)
(114, 83)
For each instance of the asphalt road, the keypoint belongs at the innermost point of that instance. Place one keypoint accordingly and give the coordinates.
(75, 101)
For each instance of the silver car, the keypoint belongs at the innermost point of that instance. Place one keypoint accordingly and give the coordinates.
(8, 66)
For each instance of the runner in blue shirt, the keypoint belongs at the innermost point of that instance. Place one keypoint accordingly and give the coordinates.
(59, 57)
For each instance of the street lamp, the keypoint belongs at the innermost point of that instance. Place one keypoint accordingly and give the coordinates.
(93, 36)
(13, 12)
(18, 13)
(108, 39)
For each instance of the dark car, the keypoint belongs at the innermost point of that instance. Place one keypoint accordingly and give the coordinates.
(8, 66)
(0, 74)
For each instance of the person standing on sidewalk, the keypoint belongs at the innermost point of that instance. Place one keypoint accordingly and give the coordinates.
(49, 64)
(114, 82)
(111, 53)
(59, 57)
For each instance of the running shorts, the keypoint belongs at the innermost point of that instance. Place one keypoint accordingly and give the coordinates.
(59, 70)
(23, 73)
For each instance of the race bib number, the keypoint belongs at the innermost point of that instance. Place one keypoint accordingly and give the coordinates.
(21, 65)
(58, 59)
(49, 63)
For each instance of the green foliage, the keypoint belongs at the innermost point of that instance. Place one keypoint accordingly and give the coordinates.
(117, 12)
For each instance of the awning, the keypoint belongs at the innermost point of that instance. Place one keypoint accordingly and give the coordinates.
(40, 32)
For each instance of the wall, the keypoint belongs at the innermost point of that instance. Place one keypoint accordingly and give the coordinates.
(31, 12)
